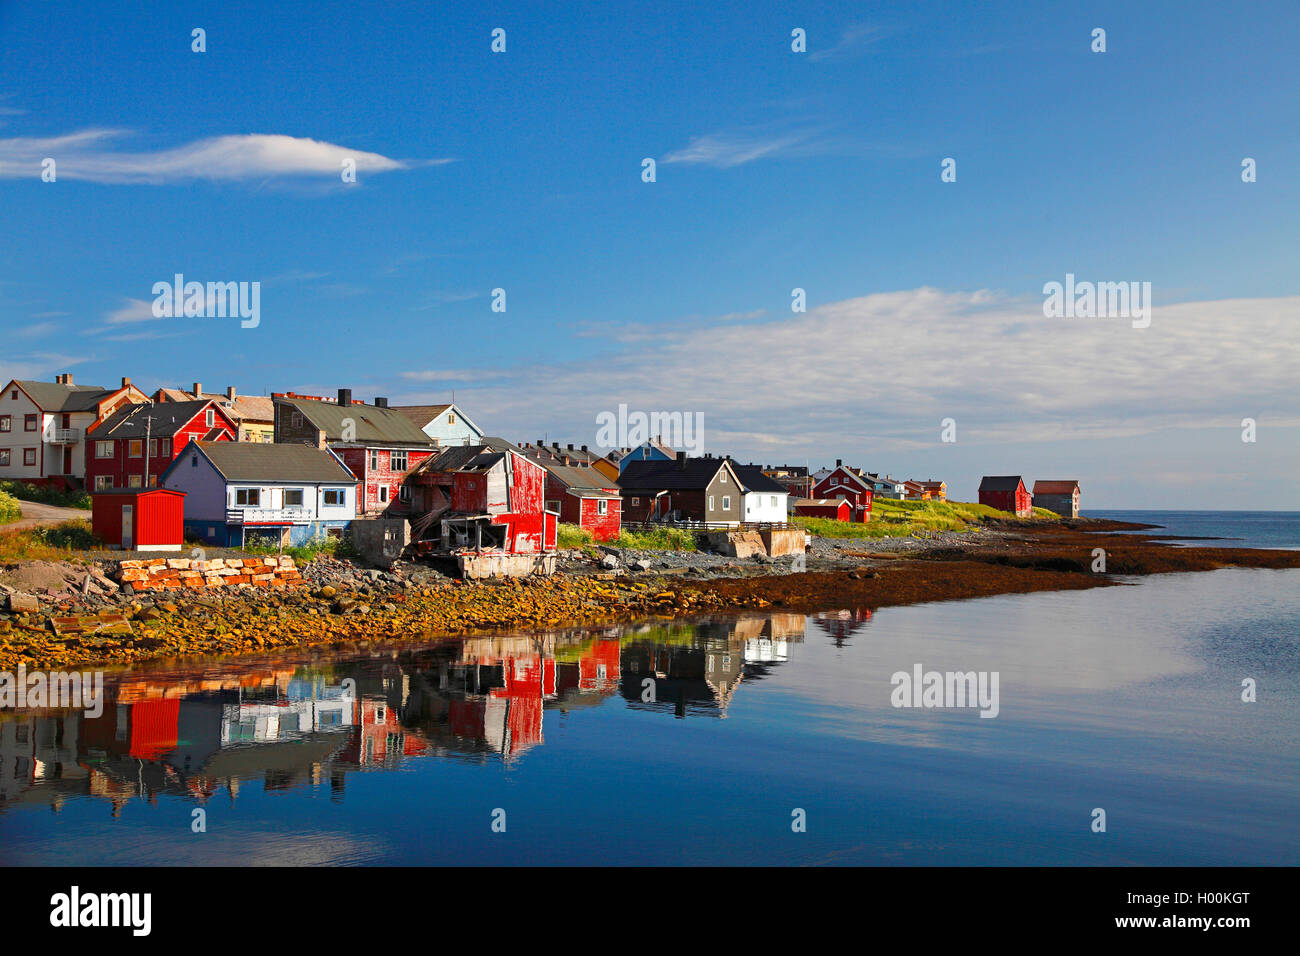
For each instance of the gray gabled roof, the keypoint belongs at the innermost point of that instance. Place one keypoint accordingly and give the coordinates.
(53, 397)
(258, 461)
(134, 420)
(693, 473)
(372, 424)
(1000, 482)
(754, 480)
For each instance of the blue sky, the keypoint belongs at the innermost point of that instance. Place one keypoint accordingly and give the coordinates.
(776, 170)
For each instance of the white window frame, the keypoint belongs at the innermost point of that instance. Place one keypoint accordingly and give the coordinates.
(255, 494)
(602, 506)
(103, 449)
(302, 497)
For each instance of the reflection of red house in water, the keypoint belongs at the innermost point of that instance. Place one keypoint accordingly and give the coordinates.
(380, 736)
(153, 728)
(600, 669)
(841, 625)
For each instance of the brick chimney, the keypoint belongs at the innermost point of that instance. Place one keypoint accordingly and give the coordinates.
(681, 461)
(570, 446)
(125, 381)
(230, 393)
(839, 462)
(198, 389)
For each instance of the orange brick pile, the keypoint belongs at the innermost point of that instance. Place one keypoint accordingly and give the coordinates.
(163, 573)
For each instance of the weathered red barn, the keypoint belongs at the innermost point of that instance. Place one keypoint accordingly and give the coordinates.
(487, 497)
(837, 509)
(145, 519)
(848, 483)
(133, 446)
(1007, 493)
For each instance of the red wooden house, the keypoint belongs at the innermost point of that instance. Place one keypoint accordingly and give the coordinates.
(852, 484)
(133, 446)
(582, 496)
(837, 509)
(380, 445)
(487, 497)
(1007, 493)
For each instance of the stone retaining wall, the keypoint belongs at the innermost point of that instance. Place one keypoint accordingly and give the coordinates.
(166, 573)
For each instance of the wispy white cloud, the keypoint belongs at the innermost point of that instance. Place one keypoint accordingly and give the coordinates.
(446, 375)
(87, 155)
(726, 149)
(886, 369)
(854, 40)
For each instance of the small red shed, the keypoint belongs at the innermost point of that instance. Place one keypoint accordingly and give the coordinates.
(837, 509)
(139, 519)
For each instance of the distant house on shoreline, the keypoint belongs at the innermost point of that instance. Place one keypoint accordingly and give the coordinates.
(1007, 493)
(1059, 496)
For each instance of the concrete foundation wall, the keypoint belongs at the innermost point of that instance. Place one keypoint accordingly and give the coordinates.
(499, 565)
(780, 542)
(736, 544)
(380, 540)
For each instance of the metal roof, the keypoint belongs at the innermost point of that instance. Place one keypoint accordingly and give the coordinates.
(260, 461)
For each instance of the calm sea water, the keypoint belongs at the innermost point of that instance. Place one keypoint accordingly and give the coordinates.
(1126, 699)
(1230, 529)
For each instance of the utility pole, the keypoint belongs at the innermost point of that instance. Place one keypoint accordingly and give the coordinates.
(148, 432)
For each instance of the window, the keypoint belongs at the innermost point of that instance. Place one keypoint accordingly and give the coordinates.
(451, 418)
(374, 460)
(552, 505)
(403, 493)
(6, 423)
(210, 418)
(153, 481)
(4, 457)
(293, 497)
(14, 394)
(335, 497)
(248, 497)
(295, 420)
(726, 502)
(103, 482)
(135, 481)
(29, 456)
(29, 423)
(397, 460)
(710, 502)
(602, 506)
(636, 501)
(103, 449)
(383, 494)
(194, 461)
(773, 501)
(723, 480)
(137, 448)
(153, 448)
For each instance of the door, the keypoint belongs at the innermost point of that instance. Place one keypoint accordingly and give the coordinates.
(128, 533)
(67, 461)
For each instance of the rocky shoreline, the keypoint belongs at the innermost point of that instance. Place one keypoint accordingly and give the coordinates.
(340, 601)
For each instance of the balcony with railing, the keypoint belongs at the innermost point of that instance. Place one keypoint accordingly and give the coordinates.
(65, 436)
(267, 516)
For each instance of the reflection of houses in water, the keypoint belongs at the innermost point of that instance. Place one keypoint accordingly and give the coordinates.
(699, 674)
(841, 625)
(195, 734)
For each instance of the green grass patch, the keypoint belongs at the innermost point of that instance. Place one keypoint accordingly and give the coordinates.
(658, 539)
(568, 536)
(340, 547)
(900, 519)
(44, 494)
(57, 543)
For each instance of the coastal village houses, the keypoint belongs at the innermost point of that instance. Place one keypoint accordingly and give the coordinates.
(685, 489)
(852, 484)
(1006, 493)
(133, 446)
(379, 444)
(235, 491)
(254, 414)
(1059, 496)
(43, 427)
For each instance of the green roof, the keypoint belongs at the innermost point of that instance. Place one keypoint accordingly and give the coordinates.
(52, 397)
(373, 425)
